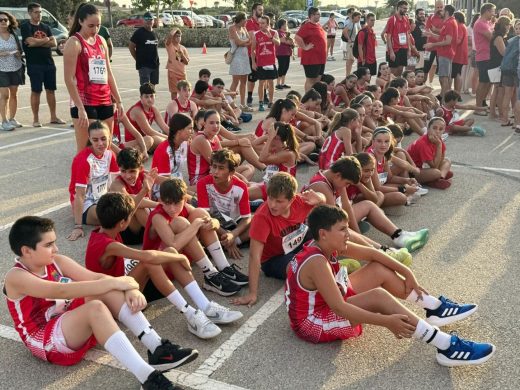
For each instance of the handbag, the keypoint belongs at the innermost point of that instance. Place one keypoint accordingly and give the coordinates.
(495, 75)
(22, 58)
(228, 57)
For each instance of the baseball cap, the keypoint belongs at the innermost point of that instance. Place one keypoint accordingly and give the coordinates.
(148, 16)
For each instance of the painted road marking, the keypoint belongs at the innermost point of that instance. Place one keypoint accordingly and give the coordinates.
(28, 141)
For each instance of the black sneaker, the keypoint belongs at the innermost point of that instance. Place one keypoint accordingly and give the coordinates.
(220, 284)
(157, 381)
(266, 99)
(279, 86)
(234, 275)
(285, 86)
(249, 100)
(168, 356)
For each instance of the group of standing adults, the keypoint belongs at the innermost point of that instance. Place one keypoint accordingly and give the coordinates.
(37, 43)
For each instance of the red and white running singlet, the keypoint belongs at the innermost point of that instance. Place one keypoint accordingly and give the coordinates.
(265, 49)
(92, 74)
(198, 167)
(331, 151)
(150, 117)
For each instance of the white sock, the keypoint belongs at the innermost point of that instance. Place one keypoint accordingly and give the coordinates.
(137, 323)
(206, 266)
(120, 347)
(427, 333)
(218, 256)
(427, 301)
(197, 295)
(180, 303)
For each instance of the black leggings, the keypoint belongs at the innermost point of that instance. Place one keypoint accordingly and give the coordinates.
(283, 65)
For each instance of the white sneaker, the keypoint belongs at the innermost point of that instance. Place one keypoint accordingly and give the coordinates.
(412, 199)
(219, 314)
(201, 326)
(412, 240)
(421, 191)
(15, 123)
(7, 126)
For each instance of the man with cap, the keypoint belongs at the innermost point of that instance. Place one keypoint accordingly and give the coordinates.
(143, 47)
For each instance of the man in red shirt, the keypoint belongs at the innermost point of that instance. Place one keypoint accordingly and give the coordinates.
(367, 45)
(312, 39)
(398, 32)
(252, 26)
(278, 231)
(446, 45)
(461, 51)
(433, 23)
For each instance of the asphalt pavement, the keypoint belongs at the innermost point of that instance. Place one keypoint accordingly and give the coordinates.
(472, 256)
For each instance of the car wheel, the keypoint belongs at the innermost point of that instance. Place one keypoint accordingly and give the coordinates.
(60, 47)
(291, 24)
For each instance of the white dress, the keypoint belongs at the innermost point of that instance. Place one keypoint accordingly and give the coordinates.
(240, 64)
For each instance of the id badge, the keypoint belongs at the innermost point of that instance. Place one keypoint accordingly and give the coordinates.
(402, 38)
(291, 241)
(97, 71)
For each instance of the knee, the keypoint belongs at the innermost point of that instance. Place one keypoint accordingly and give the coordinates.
(179, 224)
(170, 249)
(198, 213)
(97, 309)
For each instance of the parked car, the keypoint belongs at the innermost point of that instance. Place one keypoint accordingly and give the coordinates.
(188, 22)
(166, 18)
(292, 22)
(177, 20)
(225, 18)
(339, 18)
(58, 30)
(214, 22)
(138, 21)
(196, 21)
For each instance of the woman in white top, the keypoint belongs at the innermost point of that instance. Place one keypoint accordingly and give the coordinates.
(239, 67)
(12, 74)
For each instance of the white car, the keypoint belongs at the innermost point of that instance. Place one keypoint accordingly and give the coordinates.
(166, 18)
(199, 22)
(339, 18)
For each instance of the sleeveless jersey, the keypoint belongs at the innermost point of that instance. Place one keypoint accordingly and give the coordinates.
(382, 174)
(273, 169)
(198, 167)
(133, 190)
(150, 117)
(91, 73)
(154, 242)
(259, 131)
(319, 177)
(182, 109)
(306, 308)
(331, 150)
(35, 320)
(265, 49)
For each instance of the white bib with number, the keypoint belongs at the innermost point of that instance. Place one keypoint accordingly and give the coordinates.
(383, 177)
(99, 186)
(270, 171)
(291, 241)
(130, 264)
(97, 71)
(402, 38)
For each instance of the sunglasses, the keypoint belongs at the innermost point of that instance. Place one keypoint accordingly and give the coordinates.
(4, 20)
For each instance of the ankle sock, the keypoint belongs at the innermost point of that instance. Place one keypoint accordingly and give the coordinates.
(206, 266)
(427, 301)
(430, 335)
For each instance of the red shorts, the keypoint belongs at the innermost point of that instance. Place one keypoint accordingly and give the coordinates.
(327, 326)
(460, 122)
(51, 345)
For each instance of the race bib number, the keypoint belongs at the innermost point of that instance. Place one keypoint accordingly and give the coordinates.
(291, 241)
(342, 280)
(99, 186)
(130, 264)
(402, 38)
(383, 177)
(270, 171)
(97, 71)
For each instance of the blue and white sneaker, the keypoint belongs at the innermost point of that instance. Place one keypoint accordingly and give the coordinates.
(464, 353)
(449, 312)
(477, 130)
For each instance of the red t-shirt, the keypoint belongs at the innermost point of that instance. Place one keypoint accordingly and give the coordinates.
(278, 234)
(398, 29)
(481, 42)
(435, 21)
(265, 49)
(234, 203)
(96, 247)
(461, 51)
(422, 150)
(449, 28)
(251, 25)
(369, 51)
(315, 34)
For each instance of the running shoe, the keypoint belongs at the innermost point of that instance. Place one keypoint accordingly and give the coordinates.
(261, 107)
(412, 240)
(464, 353)
(167, 356)
(220, 284)
(285, 86)
(7, 126)
(219, 314)
(234, 275)
(351, 264)
(15, 123)
(201, 326)
(157, 381)
(269, 105)
(401, 255)
(449, 312)
(477, 130)
(246, 108)
(279, 87)
(421, 191)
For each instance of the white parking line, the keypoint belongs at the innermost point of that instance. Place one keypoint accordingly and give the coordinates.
(40, 214)
(27, 141)
(195, 381)
(492, 169)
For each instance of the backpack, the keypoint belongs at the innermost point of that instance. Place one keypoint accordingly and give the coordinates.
(355, 48)
(510, 60)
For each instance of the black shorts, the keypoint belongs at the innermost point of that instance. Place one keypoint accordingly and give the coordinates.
(372, 67)
(42, 75)
(401, 58)
(283, 65)
(266, 74)
(252, 77)
(12, 79)
(456, 69)
(148, 75)
(429, 63)
(151, 293)
(314, 71)
(276, 266)
(94, 112)
(84, 215)
(130, 237)
(483, 67)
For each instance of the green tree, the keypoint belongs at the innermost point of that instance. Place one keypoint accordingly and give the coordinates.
(59, 8)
